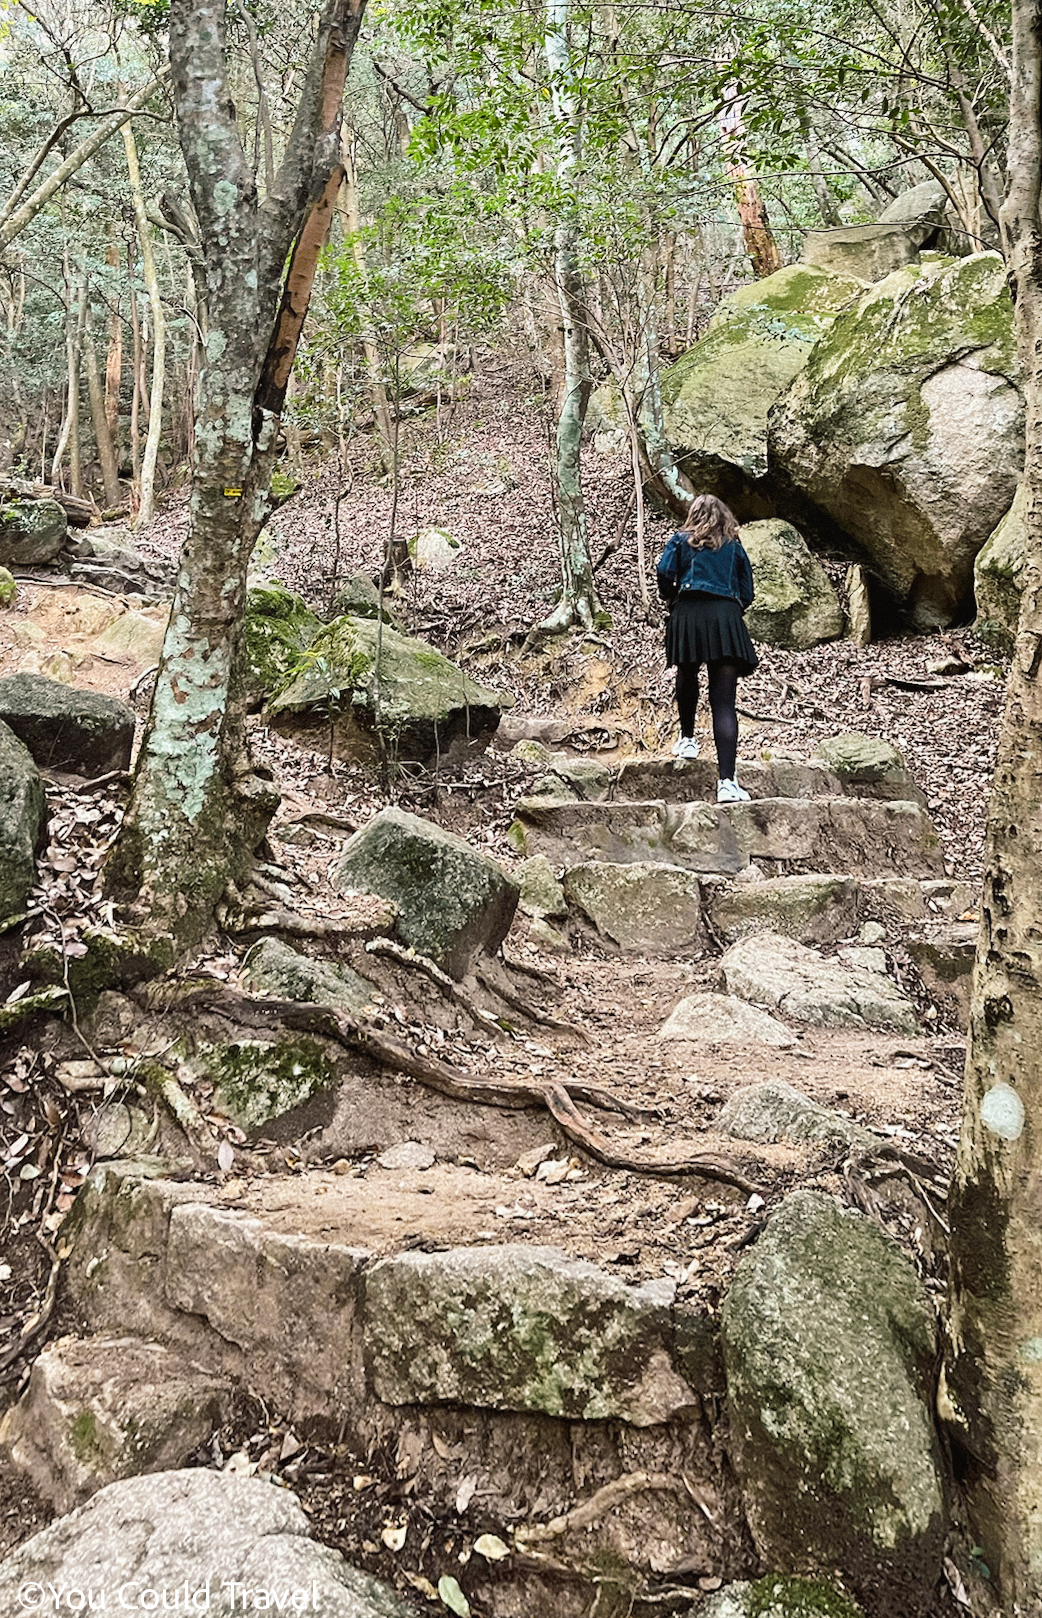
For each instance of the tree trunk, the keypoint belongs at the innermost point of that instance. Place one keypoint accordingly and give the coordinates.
(114, 358)
(353, 223)
(146, 486)
(752, 210)
(578, 603)
(102, 435)
(991, 1392)
(198, 809)
(69, 434)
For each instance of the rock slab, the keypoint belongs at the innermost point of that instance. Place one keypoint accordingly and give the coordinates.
(82, 732)
(829, 1346)
(647, 907)
(212, 1534)
(784, 975)
(795, 606)
(523, 1328)
(722, 1019)
(23, 816)
(452, 901)
(100, 1408)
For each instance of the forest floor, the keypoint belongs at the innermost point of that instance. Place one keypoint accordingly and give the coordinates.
(481, 473)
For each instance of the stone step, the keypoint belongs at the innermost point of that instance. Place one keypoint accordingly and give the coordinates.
(785, 836)
(511, 1357)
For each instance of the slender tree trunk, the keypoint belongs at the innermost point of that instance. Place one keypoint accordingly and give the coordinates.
(578, 603)
(752, 210)
(135, 395)
(114, 357)
(198, 808)
(826, 201)
(69, 434)
(146, 496)
(353, 223)
(992, 1387)
(102, 435)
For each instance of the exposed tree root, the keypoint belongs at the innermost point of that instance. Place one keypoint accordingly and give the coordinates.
(598, 1505)
(494, 982)
(559, 1099)
(448, 986)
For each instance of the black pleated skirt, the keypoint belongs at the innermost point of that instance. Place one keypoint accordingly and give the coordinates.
(704, 628)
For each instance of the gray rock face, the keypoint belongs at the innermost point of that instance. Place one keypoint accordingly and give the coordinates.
(795, 606)
(689, 781)
(569, 777)
(721, 1019)
(778, 972)
(944, 957)
(647, 907)
(32, 532)
(276, 969)
(360, 598)
(452, 901)
(23, 816)
(812, 909)
(905, 428)
(102, 1408)
(83, 732)
(210, 1533)
(717, 396)
(775, 1111)
(866, 252)
(446, 1327)
(429, 710)
(998, 576)
(829, 1345)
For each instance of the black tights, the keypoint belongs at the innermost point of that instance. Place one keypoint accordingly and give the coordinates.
(723, 689)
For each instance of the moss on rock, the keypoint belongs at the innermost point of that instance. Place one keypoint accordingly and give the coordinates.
(278, 629)
(795, 605)
(256, 1081)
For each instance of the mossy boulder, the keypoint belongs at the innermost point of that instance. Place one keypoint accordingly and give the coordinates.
(650, 907)
(273, 968)
(812, 909)
(541, 893)
(32, 532)
(8, 588)
(717, 395)
(998, 576)
(425, 708)
(795, 605)
(905, 429)
(868, 252)
(778, 1596)
(256, 1081)
(829, 1345)
(452, 901)
(23, 819)
(64, 728)
(277, 630)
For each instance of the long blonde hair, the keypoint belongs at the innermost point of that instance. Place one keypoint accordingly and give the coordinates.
(709, 523)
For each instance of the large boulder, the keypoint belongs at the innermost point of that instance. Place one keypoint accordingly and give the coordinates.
(807, 986)
(998, 576)
(425, 709)
(717, 396)
(795, 605)
(868, 767)
(452, 901)
(32, 532)
(904, 430)
(211, 1540)
(828, 1340)
(277, 629)
(775, 1111)
(723, 1019)
(82, 732)
(23, 817)
(101, 1408)
(813, 909)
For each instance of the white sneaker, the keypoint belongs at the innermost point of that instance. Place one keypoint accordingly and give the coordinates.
(731, 792)
(686, 747)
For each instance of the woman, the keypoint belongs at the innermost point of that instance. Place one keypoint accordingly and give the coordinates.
(705, 573)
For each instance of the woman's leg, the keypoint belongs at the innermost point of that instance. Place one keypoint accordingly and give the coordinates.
(723, 690)
(687, 696)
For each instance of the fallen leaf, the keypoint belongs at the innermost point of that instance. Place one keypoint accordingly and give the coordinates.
(465, 1493)
(491, 1547)
(225, 1155)
(453, 1596)
(394, 1538)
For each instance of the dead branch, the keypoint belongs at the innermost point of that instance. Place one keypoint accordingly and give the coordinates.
(36, 1323)
(558, 1099)
(495, 984)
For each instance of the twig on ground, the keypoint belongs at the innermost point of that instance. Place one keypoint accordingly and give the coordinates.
(455, 991)
(36, 1323)
(598, 1505)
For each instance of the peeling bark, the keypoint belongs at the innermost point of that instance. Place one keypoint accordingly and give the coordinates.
(198, 808)
(991, 1393)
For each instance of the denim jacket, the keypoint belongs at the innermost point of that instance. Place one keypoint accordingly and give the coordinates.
(726, 572)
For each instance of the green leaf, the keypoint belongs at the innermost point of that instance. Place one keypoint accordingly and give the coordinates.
(453, 1596)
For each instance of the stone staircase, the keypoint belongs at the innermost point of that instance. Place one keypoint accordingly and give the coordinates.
(522, 1373)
